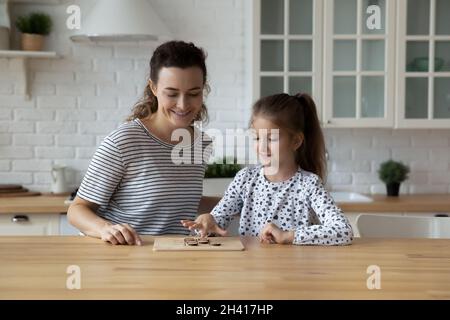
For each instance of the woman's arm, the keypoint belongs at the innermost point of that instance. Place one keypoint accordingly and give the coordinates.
(81, 214)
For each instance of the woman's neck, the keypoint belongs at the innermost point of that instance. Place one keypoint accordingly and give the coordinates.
(282, 173)
(161, 130)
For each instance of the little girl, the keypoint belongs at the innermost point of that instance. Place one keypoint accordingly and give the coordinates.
(282, 200)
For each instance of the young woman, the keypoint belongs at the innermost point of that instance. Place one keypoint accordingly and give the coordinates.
(282, 200)
(133, 184)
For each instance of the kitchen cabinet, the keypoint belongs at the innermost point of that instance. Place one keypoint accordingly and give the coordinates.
(359, 82)
(367, 63)
(287, 42)
(423, 64)
(29, 224)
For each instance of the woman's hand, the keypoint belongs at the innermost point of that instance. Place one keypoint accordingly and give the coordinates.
(205, 224)
(120, 234)
(272, 234)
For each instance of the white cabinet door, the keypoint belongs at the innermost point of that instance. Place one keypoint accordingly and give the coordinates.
(29, 224)
(423, 64)
(359, 63)
(287, 47)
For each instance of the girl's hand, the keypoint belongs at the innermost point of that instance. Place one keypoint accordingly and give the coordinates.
(205, 224)
(272, 234)
(120, 234)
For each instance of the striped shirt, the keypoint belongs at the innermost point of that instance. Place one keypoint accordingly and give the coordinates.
(135, 180)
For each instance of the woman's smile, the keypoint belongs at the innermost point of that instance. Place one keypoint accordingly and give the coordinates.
(181, 114)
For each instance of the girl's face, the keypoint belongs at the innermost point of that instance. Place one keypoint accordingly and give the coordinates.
(180, 95)
(273, 145)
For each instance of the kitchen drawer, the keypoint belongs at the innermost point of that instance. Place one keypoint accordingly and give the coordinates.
(35, 224)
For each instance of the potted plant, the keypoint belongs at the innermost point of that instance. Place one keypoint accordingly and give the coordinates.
(218, 176)
(33, 28)
(393, 173)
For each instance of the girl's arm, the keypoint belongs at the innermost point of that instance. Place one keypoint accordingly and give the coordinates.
(334, 228)
(232, 201)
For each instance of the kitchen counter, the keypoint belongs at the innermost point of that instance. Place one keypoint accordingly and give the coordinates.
(35, 204)
(404, 203)
(36, 268)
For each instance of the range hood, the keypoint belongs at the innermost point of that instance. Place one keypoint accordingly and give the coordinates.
(120, 20)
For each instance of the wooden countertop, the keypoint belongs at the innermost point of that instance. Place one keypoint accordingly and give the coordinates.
(36, 268)
(381, 203)
(403, 203)
(36, 204)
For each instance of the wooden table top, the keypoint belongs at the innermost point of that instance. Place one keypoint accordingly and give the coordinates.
(35, 268)
(405, 203)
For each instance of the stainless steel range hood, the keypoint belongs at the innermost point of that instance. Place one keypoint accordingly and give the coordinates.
(120, 20)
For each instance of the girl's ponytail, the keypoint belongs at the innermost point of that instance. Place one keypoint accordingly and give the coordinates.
(311, 154)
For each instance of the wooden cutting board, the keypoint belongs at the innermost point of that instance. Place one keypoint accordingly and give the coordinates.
(177, 244)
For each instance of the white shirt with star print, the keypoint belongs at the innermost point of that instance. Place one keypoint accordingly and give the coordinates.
(300, 204)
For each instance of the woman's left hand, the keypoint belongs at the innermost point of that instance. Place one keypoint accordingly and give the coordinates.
(271, 233)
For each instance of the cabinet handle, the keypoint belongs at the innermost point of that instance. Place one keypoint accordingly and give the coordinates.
(441, 215)
(20, 218)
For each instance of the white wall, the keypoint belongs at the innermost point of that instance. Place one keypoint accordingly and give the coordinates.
(80, 98)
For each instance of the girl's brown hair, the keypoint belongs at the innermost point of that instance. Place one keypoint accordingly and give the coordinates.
(178, 54)
(297, 114)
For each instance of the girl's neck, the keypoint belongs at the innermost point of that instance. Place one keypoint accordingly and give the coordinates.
(283, 173)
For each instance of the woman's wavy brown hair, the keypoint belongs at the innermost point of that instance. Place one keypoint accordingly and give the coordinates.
(297, 114)
(177, 54)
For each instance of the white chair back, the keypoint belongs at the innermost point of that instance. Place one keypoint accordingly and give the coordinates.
(386, 226)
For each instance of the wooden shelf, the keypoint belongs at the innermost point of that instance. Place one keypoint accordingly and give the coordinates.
(27, 54)
(22, 57)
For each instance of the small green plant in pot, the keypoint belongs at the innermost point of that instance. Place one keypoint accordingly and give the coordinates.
(34, 27)
(219, 175)
(393, 173)
(222, 169)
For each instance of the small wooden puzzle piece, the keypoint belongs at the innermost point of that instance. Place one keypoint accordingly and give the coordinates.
(190, 242)
(203, 240)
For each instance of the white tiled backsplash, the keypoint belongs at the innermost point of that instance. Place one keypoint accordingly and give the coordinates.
(80, 98)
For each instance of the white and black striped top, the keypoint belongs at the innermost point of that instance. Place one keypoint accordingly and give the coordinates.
(135, 180)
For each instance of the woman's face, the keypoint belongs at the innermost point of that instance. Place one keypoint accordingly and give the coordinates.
(273, 145)
(180, 95)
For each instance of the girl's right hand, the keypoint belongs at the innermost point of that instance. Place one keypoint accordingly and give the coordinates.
(204, 224)
(120, 234)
